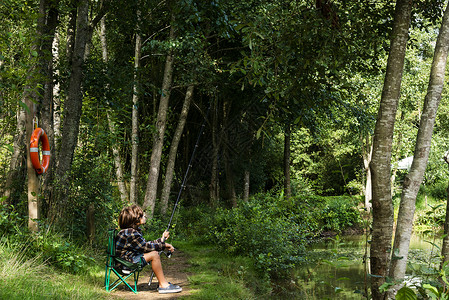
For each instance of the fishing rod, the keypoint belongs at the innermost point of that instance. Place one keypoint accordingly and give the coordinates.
(169, 253)
(188, 168)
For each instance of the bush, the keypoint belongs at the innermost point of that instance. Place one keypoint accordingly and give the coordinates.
(61, 253)
(340, 213)
(270, 229)
(259, 231)
(430, 217)
(10, 220)
(438, 190)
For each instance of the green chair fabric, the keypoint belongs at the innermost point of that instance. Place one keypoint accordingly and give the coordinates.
(115, 264)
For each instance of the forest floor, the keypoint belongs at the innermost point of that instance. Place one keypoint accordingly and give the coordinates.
(175, 270)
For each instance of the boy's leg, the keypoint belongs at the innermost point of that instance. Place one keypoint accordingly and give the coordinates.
(156, 265)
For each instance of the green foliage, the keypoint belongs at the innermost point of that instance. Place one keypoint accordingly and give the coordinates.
(431, 218)
(30, 277)
(273, 230)
(194, 223)
(406, 293)
(10, 220)
(261, 231)
(61, 253)
(339, 213)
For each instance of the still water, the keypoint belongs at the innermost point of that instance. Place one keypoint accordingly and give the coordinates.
(336, 268)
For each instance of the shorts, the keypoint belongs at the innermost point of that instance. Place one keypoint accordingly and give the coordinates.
(139, 258)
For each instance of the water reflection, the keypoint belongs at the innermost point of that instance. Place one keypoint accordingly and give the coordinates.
(336, 269)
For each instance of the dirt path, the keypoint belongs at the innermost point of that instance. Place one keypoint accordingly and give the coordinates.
(175, 272)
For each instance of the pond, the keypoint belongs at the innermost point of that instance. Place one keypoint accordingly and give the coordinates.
(336, 269)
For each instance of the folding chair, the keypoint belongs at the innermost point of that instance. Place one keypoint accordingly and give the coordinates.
(122, 268)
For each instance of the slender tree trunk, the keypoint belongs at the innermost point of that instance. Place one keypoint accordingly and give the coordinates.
(46, 62)
(72, 114)
(366, 163)
(445, 244)
(56, 100)
(46, 111)
(174, 149)
(395, 155)
(230, 185)
(33, 181)
(115, 149)
(230, 179)
(135, 116)
(415, 177)
(214, 182)
(287, 181)
(246, 186)
(156, 154)
(382, 227)
(71, 30)
(90, 223)
(19, 150)
(31, 99)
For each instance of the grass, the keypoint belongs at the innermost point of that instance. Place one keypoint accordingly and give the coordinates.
(31, 278)
(217, 275)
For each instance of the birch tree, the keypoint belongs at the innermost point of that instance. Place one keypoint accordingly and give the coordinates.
(415, 176)
(174, 149)
(445, 244)
(135, 115)
(72, 107)
(156, 154)
(115, 149)
(382, 226)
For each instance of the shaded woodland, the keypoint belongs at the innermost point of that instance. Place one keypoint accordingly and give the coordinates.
(293, 97)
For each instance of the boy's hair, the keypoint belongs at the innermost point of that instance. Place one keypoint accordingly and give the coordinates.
(130, 216)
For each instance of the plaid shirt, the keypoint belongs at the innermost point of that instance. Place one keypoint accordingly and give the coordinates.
(130, 243)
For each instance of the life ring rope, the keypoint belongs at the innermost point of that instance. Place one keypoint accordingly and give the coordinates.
(39, 135)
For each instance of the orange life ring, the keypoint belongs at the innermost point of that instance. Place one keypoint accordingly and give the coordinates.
(39, 135)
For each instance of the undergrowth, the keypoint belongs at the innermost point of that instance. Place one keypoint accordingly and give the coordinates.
(31, 277)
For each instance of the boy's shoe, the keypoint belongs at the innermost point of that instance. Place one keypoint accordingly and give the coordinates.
(171, 288)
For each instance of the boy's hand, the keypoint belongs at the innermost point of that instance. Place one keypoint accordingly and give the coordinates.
(169, 247)
(165, 235)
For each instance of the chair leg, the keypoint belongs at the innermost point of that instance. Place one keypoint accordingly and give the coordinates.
(107, 279)
(123, 280)
(151, 278)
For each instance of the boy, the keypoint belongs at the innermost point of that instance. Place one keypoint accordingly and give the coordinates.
(132, 246)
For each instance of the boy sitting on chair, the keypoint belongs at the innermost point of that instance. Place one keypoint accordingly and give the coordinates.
(132, 246)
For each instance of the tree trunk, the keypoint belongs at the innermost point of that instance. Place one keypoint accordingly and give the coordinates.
(31, 99)
(415, 177)
(445, 244)
(33, 181)
(382, 227)
(46, 107)
(229, 173)
(216, 141)
(156, 154)
(174, 149)
(246, 186)
(71, 31)
(287, 181)
(90, 223)
(72, 114)
(133, 195)
(115, 149)
(367, 154)
(56, 100)
(230, 184)
(19, 149)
